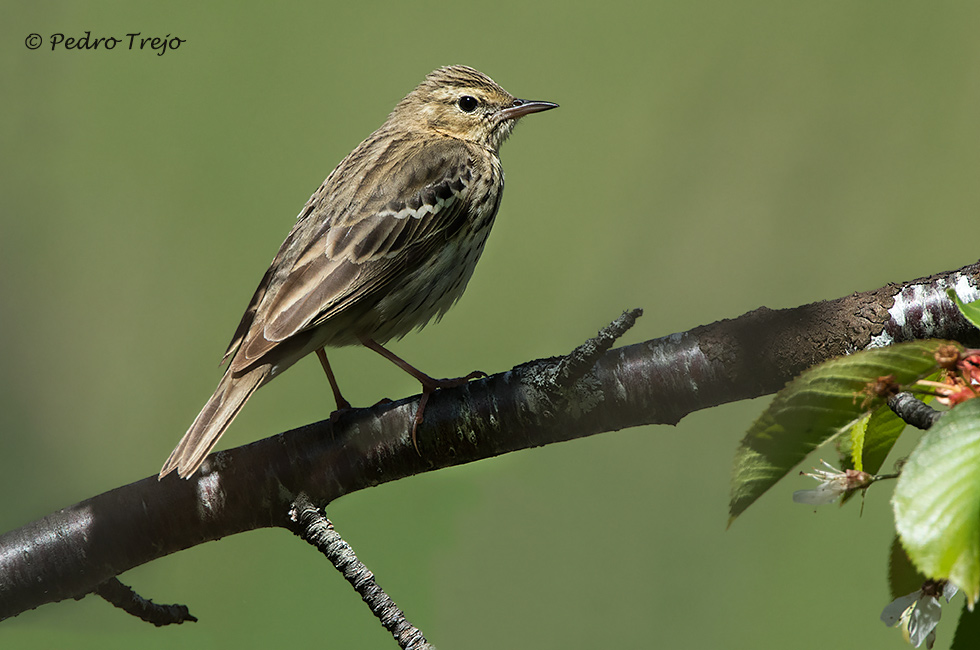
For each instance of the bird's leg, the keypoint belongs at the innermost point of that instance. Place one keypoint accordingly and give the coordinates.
(342, 404)
(429, 384)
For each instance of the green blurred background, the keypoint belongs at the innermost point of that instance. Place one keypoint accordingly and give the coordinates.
(709, 157)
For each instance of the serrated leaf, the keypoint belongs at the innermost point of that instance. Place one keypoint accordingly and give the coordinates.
(850, 448)
(970, 310)
(872, 437)
(937, 500)
(883, 430)
(814, 408)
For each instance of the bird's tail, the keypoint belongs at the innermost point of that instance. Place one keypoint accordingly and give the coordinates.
(232, 393)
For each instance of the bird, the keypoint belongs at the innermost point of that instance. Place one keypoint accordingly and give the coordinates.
(387, 243)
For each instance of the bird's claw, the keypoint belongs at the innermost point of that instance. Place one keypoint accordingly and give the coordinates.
(431, 386)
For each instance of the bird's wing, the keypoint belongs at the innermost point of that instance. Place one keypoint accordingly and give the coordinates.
(267, 282)
(358, 232)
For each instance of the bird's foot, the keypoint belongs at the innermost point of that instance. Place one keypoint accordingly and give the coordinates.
(431, 385)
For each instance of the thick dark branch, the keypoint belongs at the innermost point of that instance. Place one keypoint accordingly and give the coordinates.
(71, 552)
(312, 525)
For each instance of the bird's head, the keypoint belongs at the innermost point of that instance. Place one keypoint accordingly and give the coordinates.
(464, 103)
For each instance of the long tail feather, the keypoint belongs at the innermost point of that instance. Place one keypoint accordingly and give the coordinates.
(214, 418)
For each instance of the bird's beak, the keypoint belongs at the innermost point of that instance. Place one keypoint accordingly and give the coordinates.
(522, 107)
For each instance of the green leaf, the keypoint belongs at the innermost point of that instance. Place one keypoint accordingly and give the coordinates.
(971, 310)
(937, 500)
(817, 406)
(869, 441)
(852, 447)
(882, 432)
(872, 437)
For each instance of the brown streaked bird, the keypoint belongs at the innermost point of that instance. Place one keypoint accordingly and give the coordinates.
(387, 243)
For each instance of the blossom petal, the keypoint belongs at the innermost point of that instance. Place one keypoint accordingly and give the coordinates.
(924, 619)
(949, 591)
(821, 495)
(894, 611)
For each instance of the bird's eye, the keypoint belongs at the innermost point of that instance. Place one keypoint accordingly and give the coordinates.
(467, 104)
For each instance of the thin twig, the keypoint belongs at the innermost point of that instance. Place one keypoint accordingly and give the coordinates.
(585, 356)
(131, 602)
(913, 410)
(314, 527)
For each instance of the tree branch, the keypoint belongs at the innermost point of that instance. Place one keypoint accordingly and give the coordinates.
(121, 596)
(312, 525)
(913, 411)
(71, 552)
